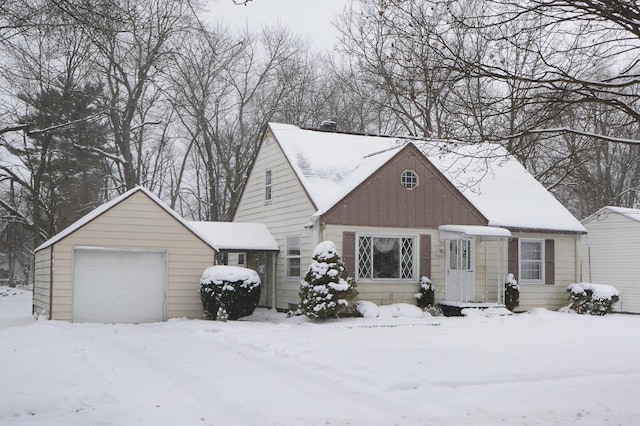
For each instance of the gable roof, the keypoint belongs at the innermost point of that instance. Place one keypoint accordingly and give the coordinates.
(330, 165)
(633, 214)
(98, 211)
(237, 235)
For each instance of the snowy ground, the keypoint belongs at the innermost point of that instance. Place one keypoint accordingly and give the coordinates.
(541, 368)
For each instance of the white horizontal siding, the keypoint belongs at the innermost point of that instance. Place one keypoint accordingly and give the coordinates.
(611, 255)
(122, 227)
(42, 281)
(286, 214)
(567, 271)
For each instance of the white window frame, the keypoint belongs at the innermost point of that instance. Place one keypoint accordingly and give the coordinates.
(268, 186)
(242, 259)
(521, 261)
(414, 257)
(409, 183)
(289, 256)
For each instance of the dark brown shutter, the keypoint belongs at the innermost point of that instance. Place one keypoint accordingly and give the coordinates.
(549, 262)
(349, 252)
(512, 262)
(425, 255)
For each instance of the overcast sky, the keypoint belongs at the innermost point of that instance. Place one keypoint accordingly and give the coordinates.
(307, 18)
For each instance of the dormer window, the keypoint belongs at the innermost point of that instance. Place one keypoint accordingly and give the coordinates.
(409, 179)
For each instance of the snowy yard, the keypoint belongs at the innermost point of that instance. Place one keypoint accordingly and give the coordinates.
(539, 368)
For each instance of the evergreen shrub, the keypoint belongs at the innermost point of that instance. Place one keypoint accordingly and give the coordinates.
(229, 292)
(592, 299)
(426, 294)
(327, 291)
(511, 293)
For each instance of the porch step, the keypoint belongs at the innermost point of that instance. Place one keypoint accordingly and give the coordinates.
(455, 309)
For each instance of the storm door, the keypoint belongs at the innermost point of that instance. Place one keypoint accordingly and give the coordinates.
(460, 283)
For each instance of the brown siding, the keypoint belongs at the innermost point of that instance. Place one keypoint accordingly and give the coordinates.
(549, 262)
(513, 257)
(382, 201)
(349, 251)
(425, 255)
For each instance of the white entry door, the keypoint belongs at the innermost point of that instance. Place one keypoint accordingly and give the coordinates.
(119, 286)
(460, 283)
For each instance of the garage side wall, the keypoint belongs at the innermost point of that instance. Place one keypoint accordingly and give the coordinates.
(137, 223)
(42, 281)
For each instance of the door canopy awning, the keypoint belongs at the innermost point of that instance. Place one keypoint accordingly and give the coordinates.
(456, 232)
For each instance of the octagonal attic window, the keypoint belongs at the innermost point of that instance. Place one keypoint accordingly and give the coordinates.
(409, 179)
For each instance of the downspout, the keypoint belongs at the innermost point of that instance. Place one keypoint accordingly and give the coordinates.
(50, 282)
(316, 232)
(486, 270)
(274, 267)
(578, 276)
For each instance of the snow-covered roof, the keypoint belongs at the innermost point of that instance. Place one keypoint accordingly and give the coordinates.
(108, 205)
(331, 164)
(486, 232)
(633, 214)
(236, 235)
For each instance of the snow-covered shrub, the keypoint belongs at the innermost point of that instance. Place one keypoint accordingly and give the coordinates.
(327, 291)
(592, 299)
(426, 293)
(367, 309)
(511, 293)
(231, 290)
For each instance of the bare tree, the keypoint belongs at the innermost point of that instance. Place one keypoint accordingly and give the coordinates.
(394, 50)
(589, 54)
(134, 40)
(225, 88)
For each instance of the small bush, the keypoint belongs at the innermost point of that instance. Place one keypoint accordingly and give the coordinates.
(592, 299)
(426, 294)
(327, 291)
(511, 293)
(230, 291)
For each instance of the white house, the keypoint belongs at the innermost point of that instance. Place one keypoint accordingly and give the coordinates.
(399, 208)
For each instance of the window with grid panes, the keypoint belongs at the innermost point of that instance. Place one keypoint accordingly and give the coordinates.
(381, 257)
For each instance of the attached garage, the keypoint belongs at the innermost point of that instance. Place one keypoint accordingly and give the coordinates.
(130, 260)
(111, 285)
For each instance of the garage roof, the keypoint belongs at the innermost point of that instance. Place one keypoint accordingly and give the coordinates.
(108, 205)
(236, 235)
(217, 235)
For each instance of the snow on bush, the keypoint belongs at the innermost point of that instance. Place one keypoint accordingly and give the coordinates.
(367, 309)
(396, 310)
(592, 299)
(231, 291)
(426, 293)
(400, 310)
(487, 312)
(511, 292)
(327, 291)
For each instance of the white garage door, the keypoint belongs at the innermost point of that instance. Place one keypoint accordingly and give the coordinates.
(127, 286)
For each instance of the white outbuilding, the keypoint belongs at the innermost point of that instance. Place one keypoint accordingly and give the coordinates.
(611, 253)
